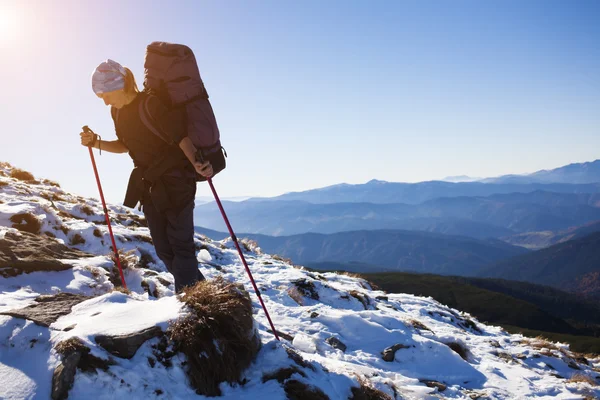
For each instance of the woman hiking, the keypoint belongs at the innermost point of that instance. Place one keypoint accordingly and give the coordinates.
(164, 177)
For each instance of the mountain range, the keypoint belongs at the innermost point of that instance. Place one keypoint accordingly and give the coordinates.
(386, 250)
(494, 216)
(573, 265)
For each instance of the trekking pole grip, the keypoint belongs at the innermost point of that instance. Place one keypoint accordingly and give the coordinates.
(87, 129)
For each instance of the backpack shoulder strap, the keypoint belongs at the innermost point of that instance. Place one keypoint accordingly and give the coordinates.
(114, 113)
(149, 122)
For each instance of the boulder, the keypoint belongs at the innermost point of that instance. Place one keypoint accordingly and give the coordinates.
(25, 252)
(48, 308)
(126, 346)
(389, 354)
(64, 376)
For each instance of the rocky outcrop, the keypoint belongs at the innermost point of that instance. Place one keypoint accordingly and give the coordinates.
(336, 343)
(389, 354)
(64, 376)
(25, 252)
(48, 308)
(126, 346)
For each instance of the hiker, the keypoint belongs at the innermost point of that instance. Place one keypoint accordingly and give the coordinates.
(164, 178)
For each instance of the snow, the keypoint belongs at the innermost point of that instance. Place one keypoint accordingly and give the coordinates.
(28, 359)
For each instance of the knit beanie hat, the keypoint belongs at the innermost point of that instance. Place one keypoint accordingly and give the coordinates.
(108, 76)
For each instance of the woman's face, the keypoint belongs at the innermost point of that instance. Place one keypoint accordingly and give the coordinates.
(116, 98)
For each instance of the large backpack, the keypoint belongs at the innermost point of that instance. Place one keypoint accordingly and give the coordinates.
(171, 73)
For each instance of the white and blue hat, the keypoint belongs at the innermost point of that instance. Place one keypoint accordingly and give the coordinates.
(108, 76)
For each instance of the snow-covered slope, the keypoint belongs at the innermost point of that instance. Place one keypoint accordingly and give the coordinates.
(436, 347)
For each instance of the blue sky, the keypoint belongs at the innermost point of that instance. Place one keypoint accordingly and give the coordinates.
(314, 93)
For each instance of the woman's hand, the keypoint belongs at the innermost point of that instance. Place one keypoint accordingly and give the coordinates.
(203, 168)
(88, 139)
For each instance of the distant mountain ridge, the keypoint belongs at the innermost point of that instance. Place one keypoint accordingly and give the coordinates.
(390, 250)
(415, 193)
(577, 173)
(573, 265)
(479, 217)
(572, 178)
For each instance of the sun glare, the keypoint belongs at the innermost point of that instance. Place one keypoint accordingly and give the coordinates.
(8, 23)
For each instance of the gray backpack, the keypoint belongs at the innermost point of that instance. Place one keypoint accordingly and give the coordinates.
(171, 73)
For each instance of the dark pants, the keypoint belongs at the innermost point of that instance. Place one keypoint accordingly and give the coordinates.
(172, 228)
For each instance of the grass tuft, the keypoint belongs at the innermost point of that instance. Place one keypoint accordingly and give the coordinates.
(217, 336)
(21, 175)
(26, 222)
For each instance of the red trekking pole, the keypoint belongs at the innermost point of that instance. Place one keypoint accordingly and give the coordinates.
(237, 245)
(112, 237)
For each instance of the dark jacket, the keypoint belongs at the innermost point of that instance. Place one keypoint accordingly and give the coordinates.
(153, 156)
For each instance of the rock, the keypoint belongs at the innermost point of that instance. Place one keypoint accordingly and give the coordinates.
(382, 298)
(573, 365)
(282, 374)
(434, 384)
(126, 346)
(283, 335)
(389, 354)
(314, 314)
(296, 390)
(64, 376)
(336, 343)
(25, 252)
(48, 308)
(582, 360)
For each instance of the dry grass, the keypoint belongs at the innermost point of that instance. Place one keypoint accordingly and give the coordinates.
(77, 239)
(419, 325)
(582, 378)
(69, 346)
(21, 175)
(296, 390)
(540, 343)
(301, 289)
(127, 260)
(364, 299)
(283, 374)
(217, 337)
(250, 245)
(121, 289)
(366, 391)
(307, 288)
(297, 358)
(26, 222)
(145, 260)
(50, 183)
(97, 233)
(147, 287)
(282, 259)
(460, 349)
(138, 221)
(143, 238)
(2, 183)
(366, 284)
(87, 210)
(88, 362)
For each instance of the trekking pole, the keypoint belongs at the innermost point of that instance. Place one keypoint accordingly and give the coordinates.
(234, 238)
(112, 237)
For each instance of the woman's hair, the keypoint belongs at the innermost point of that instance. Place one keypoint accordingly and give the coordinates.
(130, 85)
